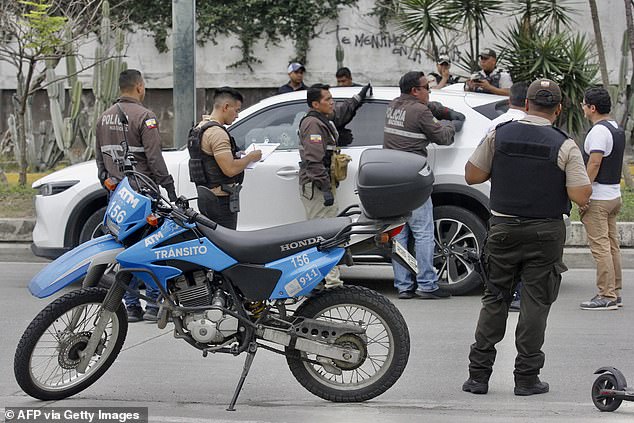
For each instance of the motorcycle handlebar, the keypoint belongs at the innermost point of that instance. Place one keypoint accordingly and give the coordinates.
(194, 216)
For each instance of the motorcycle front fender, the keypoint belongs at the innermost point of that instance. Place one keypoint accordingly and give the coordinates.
(75, 265)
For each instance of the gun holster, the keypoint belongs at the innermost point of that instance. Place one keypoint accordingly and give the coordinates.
(234, 196)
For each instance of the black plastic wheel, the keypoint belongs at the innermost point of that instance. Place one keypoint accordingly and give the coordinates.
(383, 350)
(93, 227)
(48, 353)
(605, 381)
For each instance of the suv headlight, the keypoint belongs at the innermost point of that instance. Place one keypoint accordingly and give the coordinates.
(53, 188)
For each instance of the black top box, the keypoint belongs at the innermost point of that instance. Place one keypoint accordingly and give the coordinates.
(392, 183)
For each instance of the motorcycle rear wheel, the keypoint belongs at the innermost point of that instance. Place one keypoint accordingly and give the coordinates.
(48, 353)
(384, 352)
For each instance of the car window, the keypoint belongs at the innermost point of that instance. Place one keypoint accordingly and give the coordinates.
(493, 110)
(274, 124)
(367, 125)
(280, 124)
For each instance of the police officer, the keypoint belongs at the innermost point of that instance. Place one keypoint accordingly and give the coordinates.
(142, 133)
(318, 137)
(442, 77)
(490, 79)
(535, 169)
(222, 164)
(410, 126)
(145, 144)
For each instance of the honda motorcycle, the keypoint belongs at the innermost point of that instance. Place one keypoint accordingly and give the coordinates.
(233, 292)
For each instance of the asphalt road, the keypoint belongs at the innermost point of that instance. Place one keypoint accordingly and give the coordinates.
(177, 384)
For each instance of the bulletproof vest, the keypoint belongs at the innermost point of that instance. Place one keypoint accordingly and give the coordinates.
(493, 78)
(203, 168)
(525, 178)
(328, 156)
(452, 79)
(612, 165)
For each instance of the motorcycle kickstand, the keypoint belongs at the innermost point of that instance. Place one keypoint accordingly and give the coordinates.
(253, 348)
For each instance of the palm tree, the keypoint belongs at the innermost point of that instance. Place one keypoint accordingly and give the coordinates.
(421, 20)
(594, 14)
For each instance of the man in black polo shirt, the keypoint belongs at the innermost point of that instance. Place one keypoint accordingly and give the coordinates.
(535, 169)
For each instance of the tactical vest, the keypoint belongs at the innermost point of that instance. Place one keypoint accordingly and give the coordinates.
(493, 78)
(203, 168)
(525, 178)
(612, 165)
(329, 147)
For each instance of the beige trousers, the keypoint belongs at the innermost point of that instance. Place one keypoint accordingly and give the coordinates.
(600, 223)
(313, 201)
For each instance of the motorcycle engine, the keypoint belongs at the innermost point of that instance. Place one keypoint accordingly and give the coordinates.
(211, 326)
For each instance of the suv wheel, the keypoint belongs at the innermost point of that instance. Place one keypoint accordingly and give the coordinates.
(93, 226)
(457, 229)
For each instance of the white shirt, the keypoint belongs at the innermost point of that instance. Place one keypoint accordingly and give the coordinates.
(511, 114)
(599, 139)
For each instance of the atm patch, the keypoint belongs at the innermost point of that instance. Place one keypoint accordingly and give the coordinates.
(315, 138)
(151, 123)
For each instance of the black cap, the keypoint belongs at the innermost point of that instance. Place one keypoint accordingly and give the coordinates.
(544, 92)
(487, 52)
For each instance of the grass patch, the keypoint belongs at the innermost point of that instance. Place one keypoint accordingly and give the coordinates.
(17, 201)
(627, 210)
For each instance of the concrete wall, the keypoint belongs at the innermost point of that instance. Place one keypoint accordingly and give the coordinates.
(372, 55)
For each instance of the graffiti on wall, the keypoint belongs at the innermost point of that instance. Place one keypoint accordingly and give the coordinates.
(396, 43)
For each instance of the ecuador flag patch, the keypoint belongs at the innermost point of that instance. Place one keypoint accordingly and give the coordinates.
(151, 123)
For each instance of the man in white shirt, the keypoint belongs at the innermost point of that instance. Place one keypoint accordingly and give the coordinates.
(517, 105)
(603, 154)
(516, 111)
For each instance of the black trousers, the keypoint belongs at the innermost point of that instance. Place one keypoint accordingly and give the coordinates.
(217, 209)
(527, 250)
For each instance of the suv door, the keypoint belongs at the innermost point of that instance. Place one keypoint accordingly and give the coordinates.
(270, 194)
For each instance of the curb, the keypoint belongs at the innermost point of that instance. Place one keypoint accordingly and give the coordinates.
(16, 230)
(19, 230)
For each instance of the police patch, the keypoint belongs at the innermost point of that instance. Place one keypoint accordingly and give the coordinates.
(315, 138)
(151, 123)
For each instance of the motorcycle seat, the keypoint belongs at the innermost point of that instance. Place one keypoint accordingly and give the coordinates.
(267, 245)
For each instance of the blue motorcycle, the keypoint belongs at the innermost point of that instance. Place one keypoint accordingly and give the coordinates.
(232, 292)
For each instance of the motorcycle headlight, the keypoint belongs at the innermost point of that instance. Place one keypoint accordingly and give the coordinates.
(53, 188)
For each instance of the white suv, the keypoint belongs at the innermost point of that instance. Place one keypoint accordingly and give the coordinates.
(70, 202)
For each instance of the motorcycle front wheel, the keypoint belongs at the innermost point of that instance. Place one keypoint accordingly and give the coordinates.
(49, 351)
(384, 348)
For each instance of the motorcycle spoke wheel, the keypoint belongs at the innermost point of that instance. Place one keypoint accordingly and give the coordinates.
(383, 349)
(378, 348)
(50, 349)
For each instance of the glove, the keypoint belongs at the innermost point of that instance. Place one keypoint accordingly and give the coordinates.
(364, 91)
(171, 193)
(457, 124)
(329, 199)
(453, 115)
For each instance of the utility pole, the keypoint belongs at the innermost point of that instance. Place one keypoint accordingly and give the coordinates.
(184, 68)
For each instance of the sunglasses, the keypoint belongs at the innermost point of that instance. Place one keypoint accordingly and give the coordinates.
(485, 57)
(425, 87)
